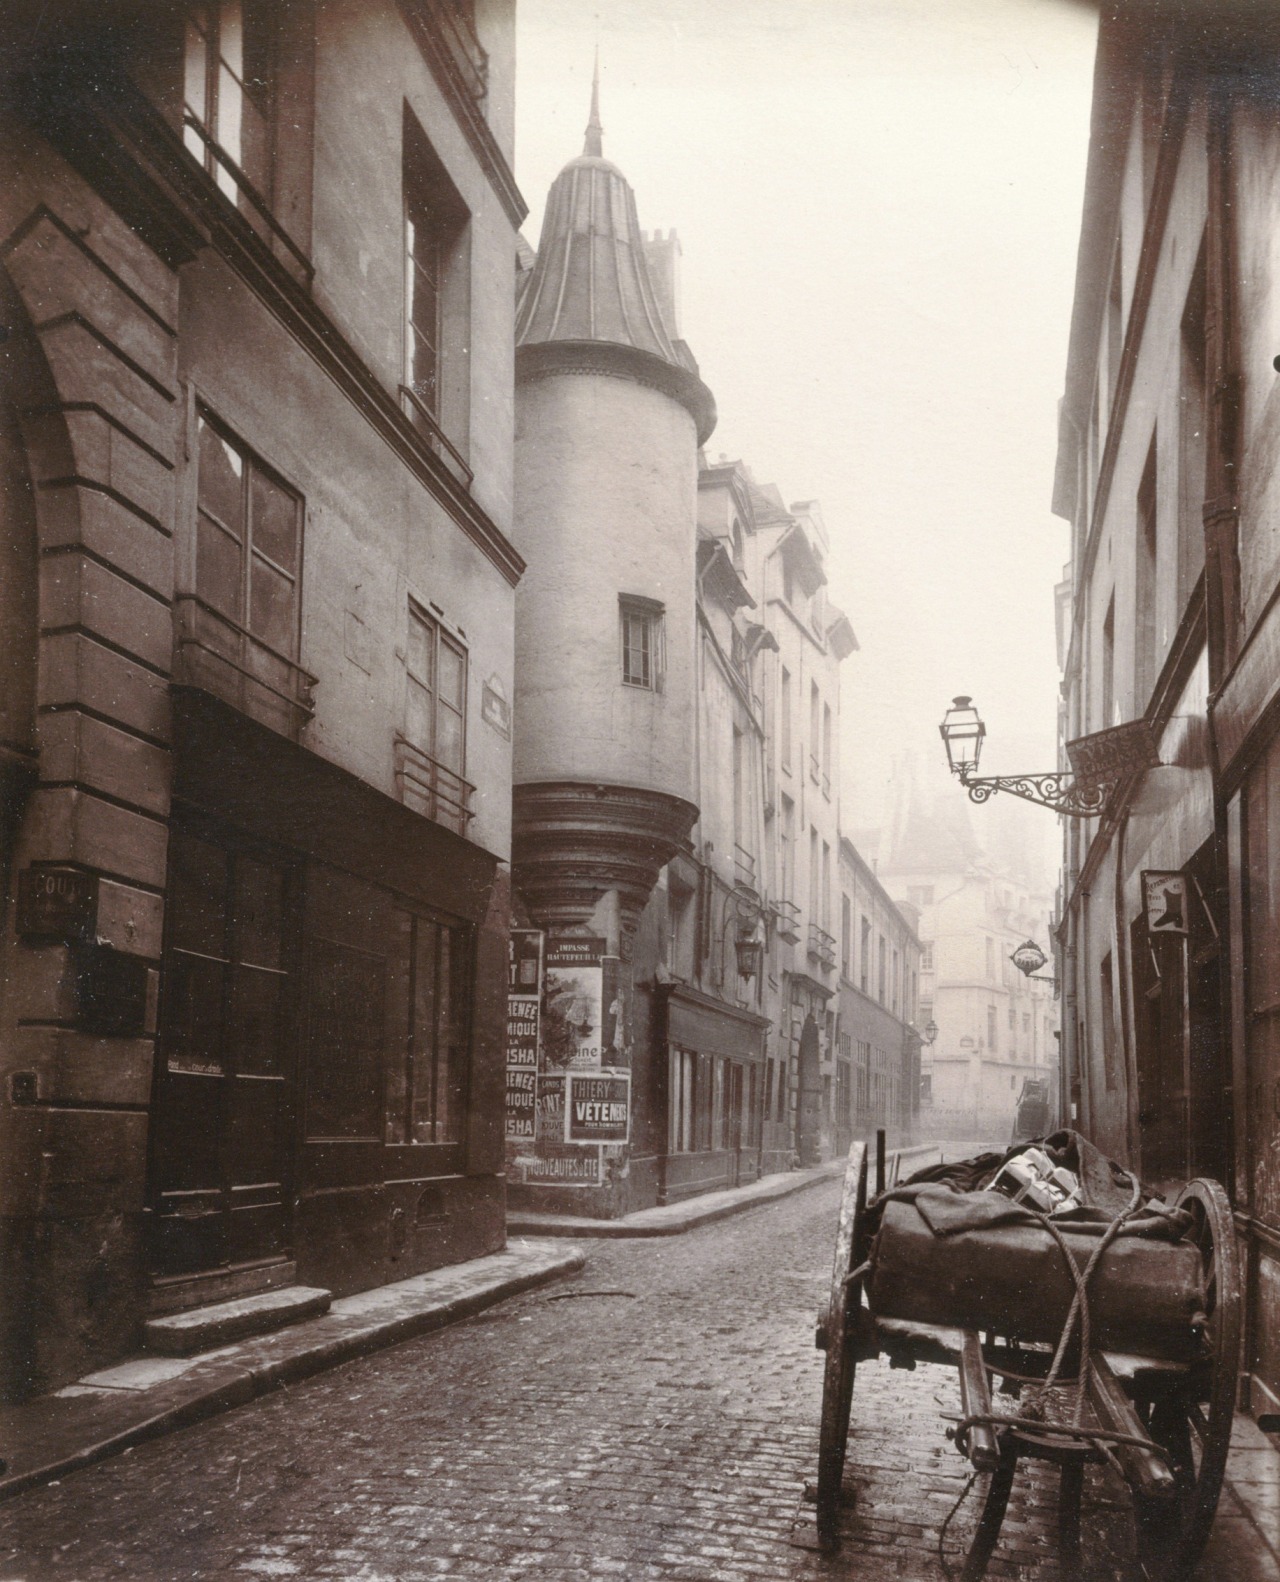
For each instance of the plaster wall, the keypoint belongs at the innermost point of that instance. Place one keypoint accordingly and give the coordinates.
(373, 538)
(368, 68)
(605, 505)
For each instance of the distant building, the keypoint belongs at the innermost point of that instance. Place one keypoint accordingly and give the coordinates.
(256, 622)
(995, 1027)
(877, 1079)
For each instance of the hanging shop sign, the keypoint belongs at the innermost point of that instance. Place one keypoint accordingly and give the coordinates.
(597, 1107)
(1111, 754)
(1164, 898)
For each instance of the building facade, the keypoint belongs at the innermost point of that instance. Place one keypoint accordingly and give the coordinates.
(257, 642)
(877, 1078)
(610, 413)
(1167, 475)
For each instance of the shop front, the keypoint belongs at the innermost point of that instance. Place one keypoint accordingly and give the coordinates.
(713, 1058)
(327, 1098)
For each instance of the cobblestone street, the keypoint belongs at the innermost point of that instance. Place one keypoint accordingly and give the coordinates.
(654, 1418)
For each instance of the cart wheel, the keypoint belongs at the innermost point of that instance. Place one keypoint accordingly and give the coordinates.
(1193, 1419)
(835, 1332)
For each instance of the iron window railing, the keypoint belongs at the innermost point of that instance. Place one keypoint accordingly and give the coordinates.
(429, 788)
(822, 946)
(222, 658)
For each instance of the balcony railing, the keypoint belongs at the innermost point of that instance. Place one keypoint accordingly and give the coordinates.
(744, 867)
(425, 421)
(788, 914)
(432, 790)
(250, 202)
(221, 658)
(822, 946)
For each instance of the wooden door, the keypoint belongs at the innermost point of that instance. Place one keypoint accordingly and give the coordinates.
(222, 1111)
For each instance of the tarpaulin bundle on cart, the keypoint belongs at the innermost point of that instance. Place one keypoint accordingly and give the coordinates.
(1108, 1317)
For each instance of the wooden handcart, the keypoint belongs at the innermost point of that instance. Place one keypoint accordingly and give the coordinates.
(1154, 1390)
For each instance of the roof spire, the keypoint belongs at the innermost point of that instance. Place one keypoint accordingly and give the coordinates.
(594, 144)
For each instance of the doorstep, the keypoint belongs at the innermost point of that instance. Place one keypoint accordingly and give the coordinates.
(109, 1410)
(672, 1219)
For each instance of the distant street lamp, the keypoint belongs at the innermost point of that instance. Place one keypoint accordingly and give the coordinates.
(963, 731)
(1028, 959)
(930, 1031)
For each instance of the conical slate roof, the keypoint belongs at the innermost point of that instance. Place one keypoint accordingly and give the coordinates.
(591, 281)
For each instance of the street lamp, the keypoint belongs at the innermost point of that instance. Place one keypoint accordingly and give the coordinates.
(963, 731)
(1028, 959)
(930, 1031)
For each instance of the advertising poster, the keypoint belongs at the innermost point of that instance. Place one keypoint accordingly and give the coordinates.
(561, 1164)
(597, 1107)
(524, 999)
(573, 1004)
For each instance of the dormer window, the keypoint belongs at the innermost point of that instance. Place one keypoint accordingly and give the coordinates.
(641, 629)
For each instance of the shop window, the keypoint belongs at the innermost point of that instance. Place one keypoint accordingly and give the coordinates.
(436, 388)
(432, 751)
(681, 1100)
(641, 632)
(427, 1074)
(248, 541)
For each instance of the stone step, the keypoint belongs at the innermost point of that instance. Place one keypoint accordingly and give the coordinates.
(221, 1323)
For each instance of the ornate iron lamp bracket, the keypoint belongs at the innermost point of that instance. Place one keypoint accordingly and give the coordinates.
(1061, 792)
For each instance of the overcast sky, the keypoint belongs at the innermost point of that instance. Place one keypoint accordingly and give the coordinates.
(878, 203)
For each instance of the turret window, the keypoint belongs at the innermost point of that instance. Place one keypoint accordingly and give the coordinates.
(641, 630)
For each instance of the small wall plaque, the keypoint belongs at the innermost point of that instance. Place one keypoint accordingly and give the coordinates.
(56, 903)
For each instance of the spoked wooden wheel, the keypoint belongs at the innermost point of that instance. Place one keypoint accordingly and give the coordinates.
(835, 1334)
(1192, 1417)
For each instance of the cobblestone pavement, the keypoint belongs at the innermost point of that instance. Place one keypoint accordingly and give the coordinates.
(656, 1418)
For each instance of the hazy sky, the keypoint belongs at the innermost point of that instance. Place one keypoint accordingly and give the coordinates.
(878, 203)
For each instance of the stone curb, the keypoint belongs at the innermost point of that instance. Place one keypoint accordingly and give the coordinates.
(63, 1433)
(673, 1219)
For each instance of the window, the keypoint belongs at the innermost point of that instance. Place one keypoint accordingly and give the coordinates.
(427, 1081)
(824, 910)
(435, 723)
(920, 894)
(1013, 1019)
(991, 956)
(1145, 633)
(788, 849)
(881, 968)
(641, 627)
(229, 89)
(785, 710)
(1109, 1072)
(826, 748)
(681, 1100)
(993, 1038)
(864, 957)
(248, 541)
(815, 704)
(926, 958)
(436, 385)
(1194, 398)
(846, 934)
